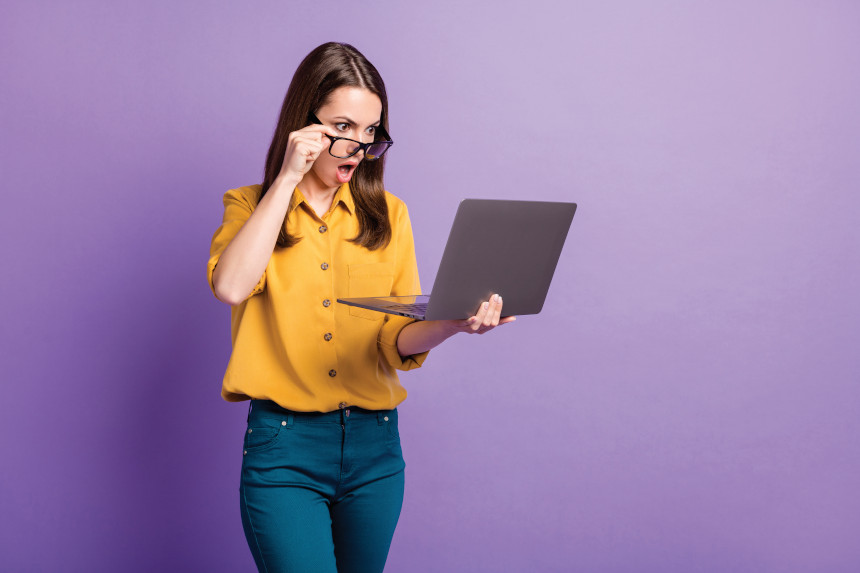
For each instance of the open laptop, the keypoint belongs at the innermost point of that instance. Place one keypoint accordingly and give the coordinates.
(495, 246)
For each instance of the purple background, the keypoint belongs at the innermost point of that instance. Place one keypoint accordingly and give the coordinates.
(688, 399)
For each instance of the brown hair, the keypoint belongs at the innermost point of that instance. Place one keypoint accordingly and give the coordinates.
(324, 70)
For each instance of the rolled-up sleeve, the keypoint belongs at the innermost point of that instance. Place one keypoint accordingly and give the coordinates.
(406, 282)
(237, 210)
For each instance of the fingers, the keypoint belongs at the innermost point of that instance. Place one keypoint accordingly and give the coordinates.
(303, 148)
(316, 128)
(308, 148)
(488, 316)
(477, 321)
(494, 311)
(310, 138)
(311, 133)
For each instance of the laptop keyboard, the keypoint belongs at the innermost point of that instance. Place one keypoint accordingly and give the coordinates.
(417, 308)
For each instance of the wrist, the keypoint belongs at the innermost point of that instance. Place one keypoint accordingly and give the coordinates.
(450, 327)
(286, 182)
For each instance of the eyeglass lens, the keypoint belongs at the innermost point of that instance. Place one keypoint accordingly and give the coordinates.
(344, 148)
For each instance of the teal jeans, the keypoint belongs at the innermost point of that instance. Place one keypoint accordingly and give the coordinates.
(320, 492)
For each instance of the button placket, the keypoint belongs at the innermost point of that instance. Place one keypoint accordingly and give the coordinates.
(325, 254)
(324, 265)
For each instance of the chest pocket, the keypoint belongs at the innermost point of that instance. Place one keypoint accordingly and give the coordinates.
(370, 279)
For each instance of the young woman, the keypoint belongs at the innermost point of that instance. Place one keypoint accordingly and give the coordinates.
(322, 469)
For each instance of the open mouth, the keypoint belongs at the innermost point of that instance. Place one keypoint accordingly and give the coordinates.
(344, 172)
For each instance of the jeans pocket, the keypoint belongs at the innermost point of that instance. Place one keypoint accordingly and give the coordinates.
(262, 433)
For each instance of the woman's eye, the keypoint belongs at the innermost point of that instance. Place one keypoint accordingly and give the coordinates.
(342, 126)
(371, 130)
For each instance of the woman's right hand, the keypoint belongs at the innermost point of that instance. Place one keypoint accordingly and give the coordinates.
(303, 148)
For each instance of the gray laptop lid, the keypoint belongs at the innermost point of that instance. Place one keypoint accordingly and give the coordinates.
(498, 246)
(495, 246)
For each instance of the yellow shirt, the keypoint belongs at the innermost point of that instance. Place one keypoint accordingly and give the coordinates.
(292, 342)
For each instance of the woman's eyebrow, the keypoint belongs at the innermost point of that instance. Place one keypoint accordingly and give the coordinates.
(351, 122)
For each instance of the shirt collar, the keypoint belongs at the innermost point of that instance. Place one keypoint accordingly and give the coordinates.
(342, 195)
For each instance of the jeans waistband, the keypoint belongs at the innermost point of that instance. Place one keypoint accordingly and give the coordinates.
(351, 412)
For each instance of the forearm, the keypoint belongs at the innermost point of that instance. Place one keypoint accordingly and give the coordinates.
(423, 335)
(244, 260)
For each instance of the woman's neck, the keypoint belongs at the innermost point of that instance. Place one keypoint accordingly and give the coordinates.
(316, 193)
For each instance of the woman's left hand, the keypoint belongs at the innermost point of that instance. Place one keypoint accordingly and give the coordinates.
(486, 319)
(423, 335)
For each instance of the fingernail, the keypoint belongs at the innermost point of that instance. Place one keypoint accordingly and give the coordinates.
(498, 298)
(486, 305)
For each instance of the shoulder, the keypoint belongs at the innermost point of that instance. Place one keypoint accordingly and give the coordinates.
(249, 195)
(397, 210)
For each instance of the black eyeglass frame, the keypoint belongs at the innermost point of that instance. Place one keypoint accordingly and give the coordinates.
(359, 145)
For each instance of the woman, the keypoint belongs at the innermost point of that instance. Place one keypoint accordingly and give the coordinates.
(322, 469)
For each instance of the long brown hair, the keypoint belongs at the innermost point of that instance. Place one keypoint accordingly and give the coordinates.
(324, 70)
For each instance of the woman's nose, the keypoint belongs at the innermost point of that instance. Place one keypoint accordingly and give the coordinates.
(353, 146)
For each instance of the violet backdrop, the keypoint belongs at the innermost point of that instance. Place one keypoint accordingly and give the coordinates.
(687, 401)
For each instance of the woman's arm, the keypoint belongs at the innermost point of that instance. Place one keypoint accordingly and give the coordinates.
(243, 261)
(423, 335)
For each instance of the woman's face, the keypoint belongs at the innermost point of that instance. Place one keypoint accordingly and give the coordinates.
(353, 113)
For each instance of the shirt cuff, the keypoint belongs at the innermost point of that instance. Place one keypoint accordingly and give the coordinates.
(387, 343)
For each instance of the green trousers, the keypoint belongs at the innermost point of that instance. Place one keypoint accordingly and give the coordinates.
(320, 492)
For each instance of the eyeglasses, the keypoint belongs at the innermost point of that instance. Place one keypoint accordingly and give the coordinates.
(342, 147)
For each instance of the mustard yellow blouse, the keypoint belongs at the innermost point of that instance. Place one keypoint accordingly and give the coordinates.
(292, 343)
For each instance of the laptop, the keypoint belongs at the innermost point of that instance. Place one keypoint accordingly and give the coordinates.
(495, 246)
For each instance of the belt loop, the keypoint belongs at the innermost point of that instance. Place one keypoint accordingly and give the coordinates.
(290, 420)
(379, 418)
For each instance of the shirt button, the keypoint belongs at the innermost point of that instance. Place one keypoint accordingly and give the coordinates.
(342, 405)
(323, 228)
(332, 373)
(327, 336)
(326, 303)
(324, 266)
